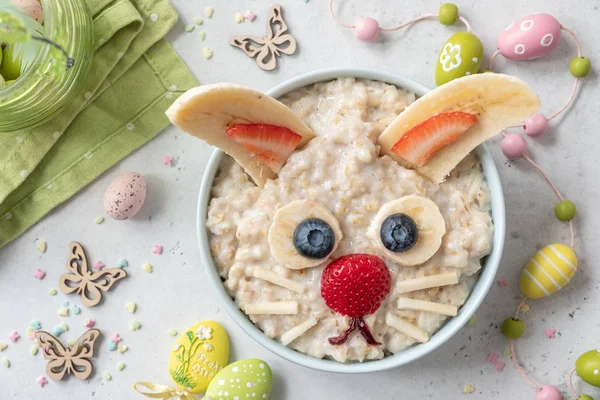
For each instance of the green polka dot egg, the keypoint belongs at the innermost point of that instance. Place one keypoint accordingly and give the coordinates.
(248, 379)
(588, 367)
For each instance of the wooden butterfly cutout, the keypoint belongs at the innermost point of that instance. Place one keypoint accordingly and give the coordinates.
(268, 48)
(88, 284)
(70, 360)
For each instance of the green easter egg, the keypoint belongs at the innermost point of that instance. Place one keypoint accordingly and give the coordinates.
(588, 367)
(199, 354)
(244, 379)
(461, 55)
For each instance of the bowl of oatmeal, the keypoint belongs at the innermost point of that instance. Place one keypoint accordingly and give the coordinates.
(339, 177)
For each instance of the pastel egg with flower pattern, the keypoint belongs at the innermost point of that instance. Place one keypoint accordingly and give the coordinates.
(530, 37)
(199, 354)
(588, 367)
(549, 270)
(245, 379)
(460, 56)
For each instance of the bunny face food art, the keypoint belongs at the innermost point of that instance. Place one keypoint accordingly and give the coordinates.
(350, 220)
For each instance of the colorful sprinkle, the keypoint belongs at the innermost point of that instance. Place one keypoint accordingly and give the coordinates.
(57, 331)
(122, 348)
(468, 389)
(98, 220)
(172, 332)
(471, 322)
(3, 346)
(65, 303)
(34, 350)
(89, 322)
(120, 366)
(63, 312)
(157, 249)
(208, 11)
(502, 282)
(111, 345)
(30, 333)
(239, 17)
(115, 338)
(550, 333)
(525, 307)
(64, 326)
(122, 263)
(42, 381)
(250, 16)
(106, 376)
(147, 267)
(35, 324)
(499, 366)
(198, 20)
(75, 309)
(14, 336)
(39, 274)
(41, 246)
(189, 28)
(493, 357)
(208, 53)
(134, 325)
(506, 352)
(202, 35)
(6, 362)
(98, 265)
(52, 292)
(131, 307)
(168, 160)
(71, 342)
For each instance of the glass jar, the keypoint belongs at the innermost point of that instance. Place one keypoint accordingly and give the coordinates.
(42, 91)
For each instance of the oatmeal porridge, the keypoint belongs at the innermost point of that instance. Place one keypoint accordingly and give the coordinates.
(340, 178)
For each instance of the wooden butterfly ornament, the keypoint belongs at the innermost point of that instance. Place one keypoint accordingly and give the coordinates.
(68, 360)
(268, 48)
(84, 282)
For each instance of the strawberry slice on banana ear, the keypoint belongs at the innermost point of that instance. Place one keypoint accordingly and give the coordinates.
(441, 128)
(256, 130)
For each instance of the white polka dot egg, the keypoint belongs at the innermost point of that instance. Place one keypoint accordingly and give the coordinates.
(530, 37)
(247, 379)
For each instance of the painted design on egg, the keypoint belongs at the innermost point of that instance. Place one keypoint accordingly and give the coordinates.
(538, 34)
(527, 24)
(450, 52)
(549, 270)
(547, 40)
(520, 49)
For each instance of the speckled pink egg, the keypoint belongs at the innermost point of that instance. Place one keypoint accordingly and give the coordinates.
(530, 37)
(31, 8)
(125, 196)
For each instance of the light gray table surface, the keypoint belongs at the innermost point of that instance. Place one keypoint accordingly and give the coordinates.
(177, 294)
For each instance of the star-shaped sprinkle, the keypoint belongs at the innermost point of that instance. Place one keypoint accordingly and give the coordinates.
(75, 309)
(492, 357)
(63, 312)
(52, 292)
(250, 16)
(115, 338)
(98, 265)
(502, 282)
(147, 267)
(120, 366)
(168, 160)
(499, 366)
(35, 324)
(89, 322)
(157, 249)
(41, 246)
(111, 345)
(39, 274)
(122, 263)
(550, 333)
(14, 336)
(134, 325)
(130, 307)
(42, 381)
(122, 348)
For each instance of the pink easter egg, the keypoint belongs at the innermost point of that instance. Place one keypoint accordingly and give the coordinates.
(530, 37)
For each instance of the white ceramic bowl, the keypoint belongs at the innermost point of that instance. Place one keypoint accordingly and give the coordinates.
(449, 329)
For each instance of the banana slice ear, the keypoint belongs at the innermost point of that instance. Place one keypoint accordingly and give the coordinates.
(497, 101)
(208, 111)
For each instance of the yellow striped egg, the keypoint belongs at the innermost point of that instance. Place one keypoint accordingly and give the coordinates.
(549, 270)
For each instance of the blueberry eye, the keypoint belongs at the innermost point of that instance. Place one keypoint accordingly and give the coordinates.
(314, 238)
(399, 232)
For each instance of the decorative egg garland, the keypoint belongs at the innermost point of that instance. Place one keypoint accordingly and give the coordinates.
(552, 267)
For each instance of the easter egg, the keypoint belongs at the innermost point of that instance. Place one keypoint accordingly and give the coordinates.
(125, 196)
(588, 367)
(461, 55)
(530, 37)
(549, 270)
(199, 354)
(244, 379)
(31, 8)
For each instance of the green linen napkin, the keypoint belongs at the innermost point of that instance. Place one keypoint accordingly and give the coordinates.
(135, 77)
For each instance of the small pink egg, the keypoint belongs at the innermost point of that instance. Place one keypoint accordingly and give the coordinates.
(548, 392)
(31, 8)
(366, 29)
(530, 37)
(513, 146)
(125, 196)
(536, 125)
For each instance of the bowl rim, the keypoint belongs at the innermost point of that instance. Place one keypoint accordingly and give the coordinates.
(445, 332)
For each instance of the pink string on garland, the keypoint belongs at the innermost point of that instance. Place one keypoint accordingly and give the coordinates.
(404, 25)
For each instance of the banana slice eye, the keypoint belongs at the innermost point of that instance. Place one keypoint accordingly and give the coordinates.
(304, 234)
(408, 230)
